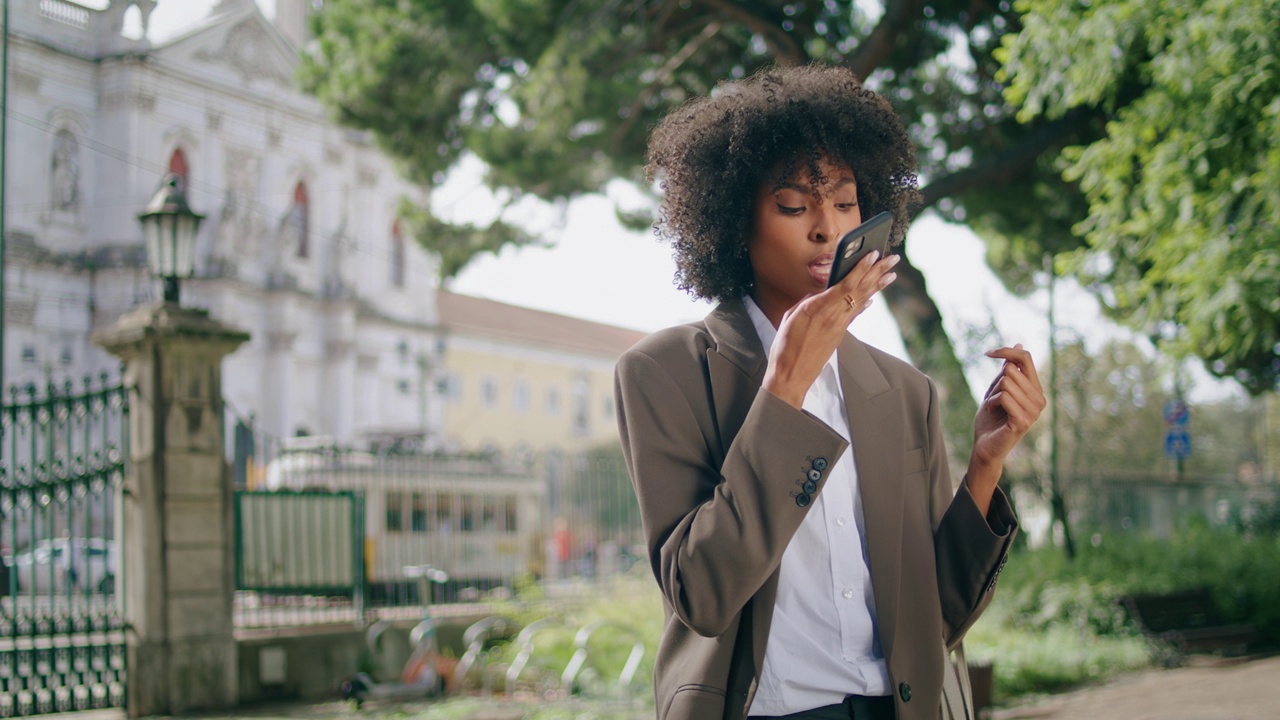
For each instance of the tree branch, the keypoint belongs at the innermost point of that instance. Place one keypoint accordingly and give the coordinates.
(663, 76)
(1008, 164)
(782, 46)
(876, 47)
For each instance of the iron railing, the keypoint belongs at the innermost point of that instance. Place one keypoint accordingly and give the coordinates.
(488, 521)
(62, 461)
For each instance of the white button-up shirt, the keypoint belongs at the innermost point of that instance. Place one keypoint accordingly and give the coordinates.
(823, 642)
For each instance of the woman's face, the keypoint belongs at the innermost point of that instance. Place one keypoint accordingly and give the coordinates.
(794, 234)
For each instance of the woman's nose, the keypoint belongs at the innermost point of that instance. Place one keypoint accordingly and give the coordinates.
(825, 227)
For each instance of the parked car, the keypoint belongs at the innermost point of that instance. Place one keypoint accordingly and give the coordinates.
(80, 564)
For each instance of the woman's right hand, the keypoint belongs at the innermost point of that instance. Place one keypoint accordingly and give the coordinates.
(814, 327)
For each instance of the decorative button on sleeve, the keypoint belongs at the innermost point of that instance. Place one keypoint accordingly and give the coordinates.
(803, 499)
(820, 464)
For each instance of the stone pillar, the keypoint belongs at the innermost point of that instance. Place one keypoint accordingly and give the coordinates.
(177, 521)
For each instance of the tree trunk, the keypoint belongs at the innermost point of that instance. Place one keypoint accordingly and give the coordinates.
(932, 353)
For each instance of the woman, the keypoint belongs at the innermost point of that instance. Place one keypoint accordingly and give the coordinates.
(812, 554)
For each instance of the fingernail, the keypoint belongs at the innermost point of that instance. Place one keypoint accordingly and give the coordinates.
(889, 278)
(893, 260)
(875, 255)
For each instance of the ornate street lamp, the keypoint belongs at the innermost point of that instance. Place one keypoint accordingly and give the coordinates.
(169, 226)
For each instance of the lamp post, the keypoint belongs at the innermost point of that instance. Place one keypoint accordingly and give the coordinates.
(169, 226)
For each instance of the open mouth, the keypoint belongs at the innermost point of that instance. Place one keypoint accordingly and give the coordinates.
(820, 269)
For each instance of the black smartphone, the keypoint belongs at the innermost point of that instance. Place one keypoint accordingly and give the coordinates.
(870, 235)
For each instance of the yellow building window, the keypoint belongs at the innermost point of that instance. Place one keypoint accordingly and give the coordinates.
(395, 511)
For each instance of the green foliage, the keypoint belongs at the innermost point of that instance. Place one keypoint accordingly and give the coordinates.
(630, 600)
(1262, 519)
(1239, 569)
(458, 244)
(1111, 417)
(1183, 188)
(557, 96)
(1055, 624)
(1051, 660)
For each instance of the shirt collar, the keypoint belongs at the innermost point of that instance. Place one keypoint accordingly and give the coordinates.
(768, 332)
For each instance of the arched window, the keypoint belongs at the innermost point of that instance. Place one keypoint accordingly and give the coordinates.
(178, 166)
(300, 218)
(397, 255)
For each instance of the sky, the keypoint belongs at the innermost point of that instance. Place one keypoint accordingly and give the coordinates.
(597, 270)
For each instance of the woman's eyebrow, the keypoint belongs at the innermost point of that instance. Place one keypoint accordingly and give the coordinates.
(791, 186)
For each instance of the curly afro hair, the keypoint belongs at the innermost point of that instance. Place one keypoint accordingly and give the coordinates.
(712, 154)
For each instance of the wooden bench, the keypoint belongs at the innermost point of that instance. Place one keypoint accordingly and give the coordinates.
(1189, 621)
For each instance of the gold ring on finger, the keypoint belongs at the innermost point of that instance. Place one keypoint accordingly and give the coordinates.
(849, 299)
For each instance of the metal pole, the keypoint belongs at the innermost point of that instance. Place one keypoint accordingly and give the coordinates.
(4, 171)
(1179, 463)
(1053, 383)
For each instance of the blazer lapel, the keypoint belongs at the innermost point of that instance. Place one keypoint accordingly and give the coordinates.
(736, 367)
(876, 424)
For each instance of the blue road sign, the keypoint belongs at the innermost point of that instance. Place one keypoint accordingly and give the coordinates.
(1177, 444)
(1176, 412)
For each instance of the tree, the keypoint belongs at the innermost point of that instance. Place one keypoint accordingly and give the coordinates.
(556, 97)
(1111, 427)
(1183, 186)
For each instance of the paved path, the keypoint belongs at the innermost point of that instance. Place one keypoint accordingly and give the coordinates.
(1205, 690)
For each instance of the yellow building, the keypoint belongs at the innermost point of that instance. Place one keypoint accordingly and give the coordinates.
(513, 378)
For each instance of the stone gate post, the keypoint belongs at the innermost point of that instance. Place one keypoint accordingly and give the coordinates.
(176, 522)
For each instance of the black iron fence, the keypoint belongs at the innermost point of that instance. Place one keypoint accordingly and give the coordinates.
(62, 461)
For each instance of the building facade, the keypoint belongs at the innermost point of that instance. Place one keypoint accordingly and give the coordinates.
(513, 378)
(301, 245)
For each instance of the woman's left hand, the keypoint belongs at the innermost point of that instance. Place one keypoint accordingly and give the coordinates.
(1011, 405)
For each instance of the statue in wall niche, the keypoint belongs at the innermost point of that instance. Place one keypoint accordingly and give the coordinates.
(292, 229)
(64, 183)
(241, 221)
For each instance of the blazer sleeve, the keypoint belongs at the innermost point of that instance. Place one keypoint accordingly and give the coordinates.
(714, 534)
(969, 549)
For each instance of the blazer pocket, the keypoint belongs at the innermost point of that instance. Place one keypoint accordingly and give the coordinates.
(696, 702)
(914, 462)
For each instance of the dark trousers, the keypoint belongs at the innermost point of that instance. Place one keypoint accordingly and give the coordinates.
(855, 707)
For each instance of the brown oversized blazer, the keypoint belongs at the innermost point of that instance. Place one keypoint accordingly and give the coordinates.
(718, 464)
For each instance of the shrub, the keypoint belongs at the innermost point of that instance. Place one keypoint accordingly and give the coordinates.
(1056, 623)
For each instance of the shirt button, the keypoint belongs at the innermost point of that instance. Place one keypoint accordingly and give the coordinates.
(848, 594)
(839, 522)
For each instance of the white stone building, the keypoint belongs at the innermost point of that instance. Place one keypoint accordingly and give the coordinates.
(301, 247)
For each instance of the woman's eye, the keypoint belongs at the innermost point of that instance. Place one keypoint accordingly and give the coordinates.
(847, 206)
(787, 210)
